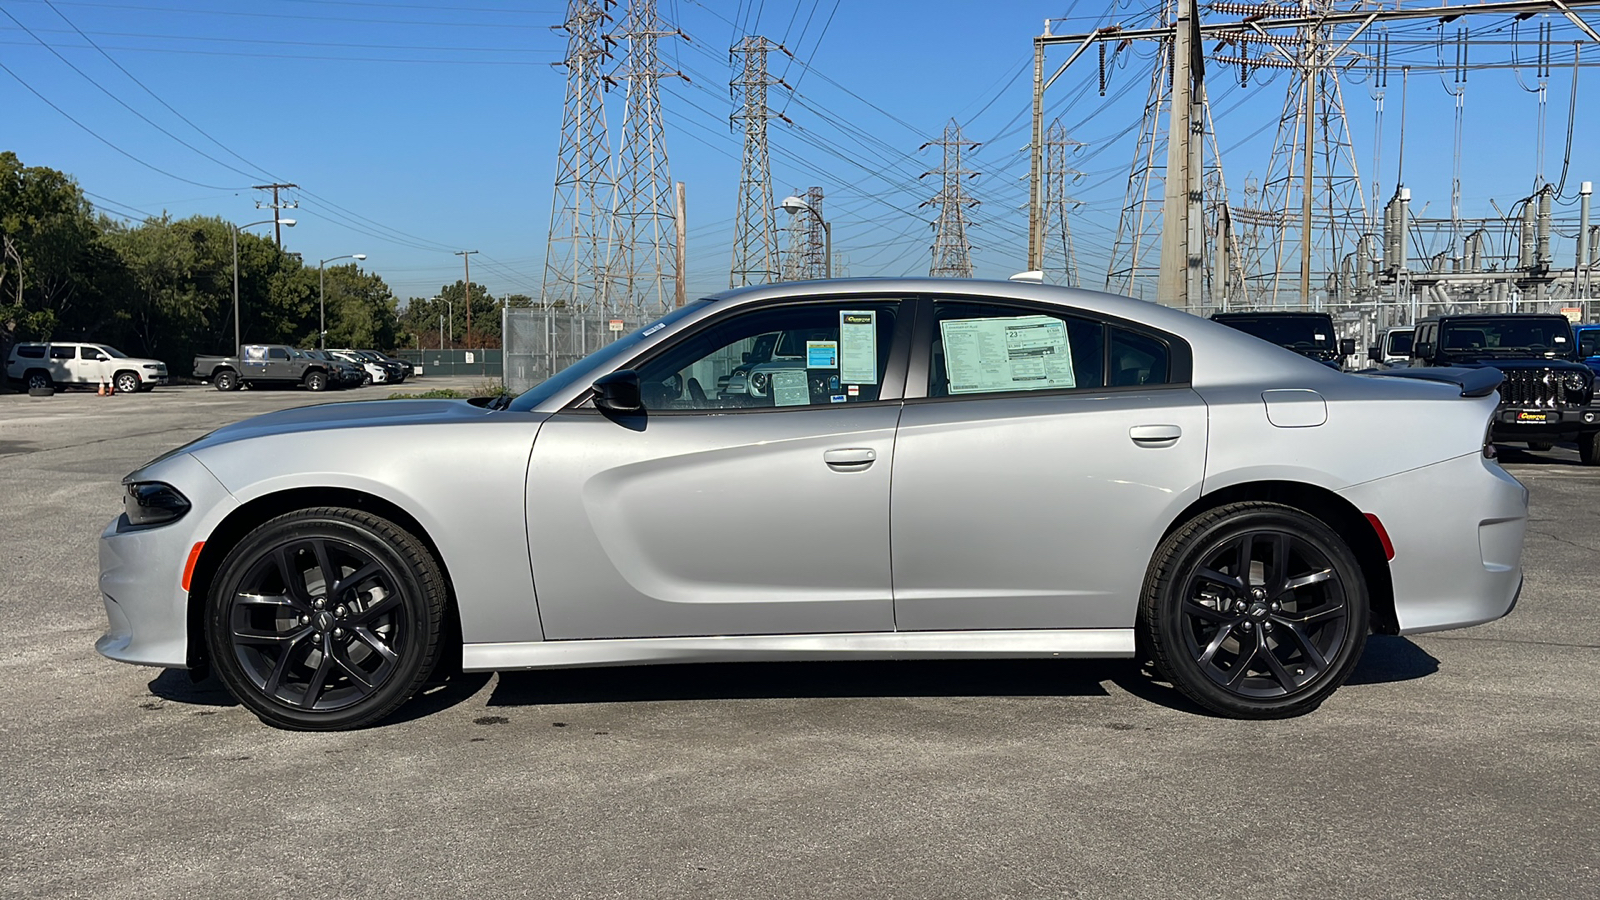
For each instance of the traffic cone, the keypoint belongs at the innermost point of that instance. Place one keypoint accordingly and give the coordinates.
(111, 386)
(101, 390)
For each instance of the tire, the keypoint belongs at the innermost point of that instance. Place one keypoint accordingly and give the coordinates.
(1589, 448)
(306, 658)
(38, 379)
(1541, 446)
(126, 382)
(366, 379)
(1254, 647)
(316, 381)
(41, 392)
(226, 380)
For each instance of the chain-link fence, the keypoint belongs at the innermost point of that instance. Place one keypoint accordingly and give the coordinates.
(541, 342)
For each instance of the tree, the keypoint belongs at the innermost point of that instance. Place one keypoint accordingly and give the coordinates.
(53, 231)
(361, 310)
(421, 317)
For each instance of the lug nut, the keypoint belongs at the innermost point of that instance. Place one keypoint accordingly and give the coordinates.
(1276, 606)
(1266, 626)
(1246, 626)
(342, 611)
(338, 632)
(318, 603)
(305, 620)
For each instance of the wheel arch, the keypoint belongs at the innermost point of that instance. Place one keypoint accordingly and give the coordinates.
(1334, 511)
(232, 529)
(121, 372)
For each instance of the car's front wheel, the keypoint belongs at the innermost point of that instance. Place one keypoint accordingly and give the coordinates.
(1255, 610)
(326, 619)
(127, 383)
(316, 381)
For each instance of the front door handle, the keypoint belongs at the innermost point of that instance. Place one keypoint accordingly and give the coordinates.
(1155, 435)
(850, 459)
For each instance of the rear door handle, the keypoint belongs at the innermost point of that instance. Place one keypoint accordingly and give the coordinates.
(1155, 435)
(849, 459)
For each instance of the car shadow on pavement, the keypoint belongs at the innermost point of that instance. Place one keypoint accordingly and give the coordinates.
(1518, 455)
(1388, 659)
(775, 680)
(176, 685)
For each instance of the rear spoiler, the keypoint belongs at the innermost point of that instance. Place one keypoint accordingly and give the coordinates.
(1473, 382)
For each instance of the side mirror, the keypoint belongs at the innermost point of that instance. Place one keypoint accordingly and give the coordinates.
(100, 358)
(618, 392)
(1375, 354)
(1347, 346)
(1422, 349)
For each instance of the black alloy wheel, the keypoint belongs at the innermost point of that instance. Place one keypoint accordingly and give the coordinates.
(316, 381)
(1255, 610)
(39, 379)
(127, 383)
(226, 381)
(326, 619)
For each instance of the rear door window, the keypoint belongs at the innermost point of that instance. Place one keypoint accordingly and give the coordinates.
(34, 352)
(58, 351)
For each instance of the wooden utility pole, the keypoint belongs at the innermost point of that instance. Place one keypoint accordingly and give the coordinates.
(466, 259)
(277, 228)
(682, 266)
(1182, 242)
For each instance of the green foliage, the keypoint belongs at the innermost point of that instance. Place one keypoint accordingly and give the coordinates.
(421, 317)
(435, 394)
(164, 288)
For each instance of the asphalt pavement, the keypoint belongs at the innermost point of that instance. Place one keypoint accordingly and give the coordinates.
(1461, 764)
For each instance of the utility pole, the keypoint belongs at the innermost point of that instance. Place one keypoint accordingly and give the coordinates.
(1182, 243)
(643, 256)
(755, 244)
(577, 256)
(952, 254)
(277, 230)
(682, 269)
(466, 260)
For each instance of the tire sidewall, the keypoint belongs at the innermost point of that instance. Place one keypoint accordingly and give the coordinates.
(422, 633)
(121, 379)
(1180, 555)
(226, 381)
(316, 381)
(39, 380)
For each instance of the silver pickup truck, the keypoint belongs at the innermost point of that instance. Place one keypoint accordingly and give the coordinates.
(266, 364)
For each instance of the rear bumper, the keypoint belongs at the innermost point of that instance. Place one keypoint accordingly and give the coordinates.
(1458, 528)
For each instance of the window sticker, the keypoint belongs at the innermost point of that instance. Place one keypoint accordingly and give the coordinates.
(836, 398)
(822, 354)
(255, 353)
(653, 329)
(1022, 353)
(854, 390)
(858, 346)
(1319, 337)
(789, 388)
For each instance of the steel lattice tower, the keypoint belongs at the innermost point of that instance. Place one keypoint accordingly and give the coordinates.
(952, 254)
(578, 255)
(644, 260)
(1058, 204)
(1139, 226)
(755, 243)
(806, 258)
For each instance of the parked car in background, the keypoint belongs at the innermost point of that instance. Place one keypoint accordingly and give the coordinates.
(1393, 348)
(1310, 334)
(65, 363)
(266, 364)
(405, 367)
(1074, 474)
(375, 374)
(1588, 338)
(382, 369)
(1547, 395)
(343, 372)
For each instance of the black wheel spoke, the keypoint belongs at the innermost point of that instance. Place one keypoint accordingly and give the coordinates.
(352, 580)
(280, 668)
(330, 573)
(1299, 581)
(1216, 644)
(1246, 547)
(383, 606)
(1276, 574)
(1307, 648)
(1325, 613)
(377, 644)
(294, 580)
(1200, 610)
(319, 680)
(358, 677)
(1232, 582)
(1276, 667)
(1241, 666)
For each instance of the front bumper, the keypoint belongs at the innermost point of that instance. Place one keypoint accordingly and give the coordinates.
(141, 570)
(1516, 423)
(1457, 527)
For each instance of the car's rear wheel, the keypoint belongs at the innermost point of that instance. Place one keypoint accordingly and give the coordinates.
(1541, 446)
(38, 380)
(1255, 610)
(316, 381)
(127, 383)
(326, 619)
(226, 381)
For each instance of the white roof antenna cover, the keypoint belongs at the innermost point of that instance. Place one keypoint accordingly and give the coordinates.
(1033, 276)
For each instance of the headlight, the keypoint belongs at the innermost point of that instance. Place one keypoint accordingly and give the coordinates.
(758, 382)
(150, 503)
(1574, 381)
(153, 368)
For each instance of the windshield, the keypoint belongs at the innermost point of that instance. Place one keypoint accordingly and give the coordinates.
(1514, 336)
(1295, 333)
(112, 352)
(1400, 343)
(600, 361)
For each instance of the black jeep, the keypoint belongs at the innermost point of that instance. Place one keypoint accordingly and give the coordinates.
(1306, 333)
(1547, 394)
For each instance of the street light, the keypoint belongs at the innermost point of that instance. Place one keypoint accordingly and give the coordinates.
(322, 306)
(234, 233)
(792, 205)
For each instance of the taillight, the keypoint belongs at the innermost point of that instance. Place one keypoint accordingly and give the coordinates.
(1488, 445)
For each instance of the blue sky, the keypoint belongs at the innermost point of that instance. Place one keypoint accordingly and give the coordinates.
(420, 127)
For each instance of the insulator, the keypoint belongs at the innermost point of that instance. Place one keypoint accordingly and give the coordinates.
(1253, 9)
(1102, 46)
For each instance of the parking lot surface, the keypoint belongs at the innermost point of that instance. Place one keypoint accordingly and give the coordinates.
(1462, 764)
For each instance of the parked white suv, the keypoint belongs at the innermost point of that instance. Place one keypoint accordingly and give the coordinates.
(61, 363)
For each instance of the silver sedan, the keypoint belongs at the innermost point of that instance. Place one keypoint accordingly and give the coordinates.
(958, 469)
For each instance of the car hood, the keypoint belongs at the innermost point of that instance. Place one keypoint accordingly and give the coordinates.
(330, 416)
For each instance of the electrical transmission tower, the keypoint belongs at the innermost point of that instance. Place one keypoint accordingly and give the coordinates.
(952, 254)
(755, 242)
(806, 258)
(578, 256)
(1057, 205)
(644, 250)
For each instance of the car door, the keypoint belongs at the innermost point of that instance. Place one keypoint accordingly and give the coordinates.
(62, 361)
(713, 513)
(1035, 473)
